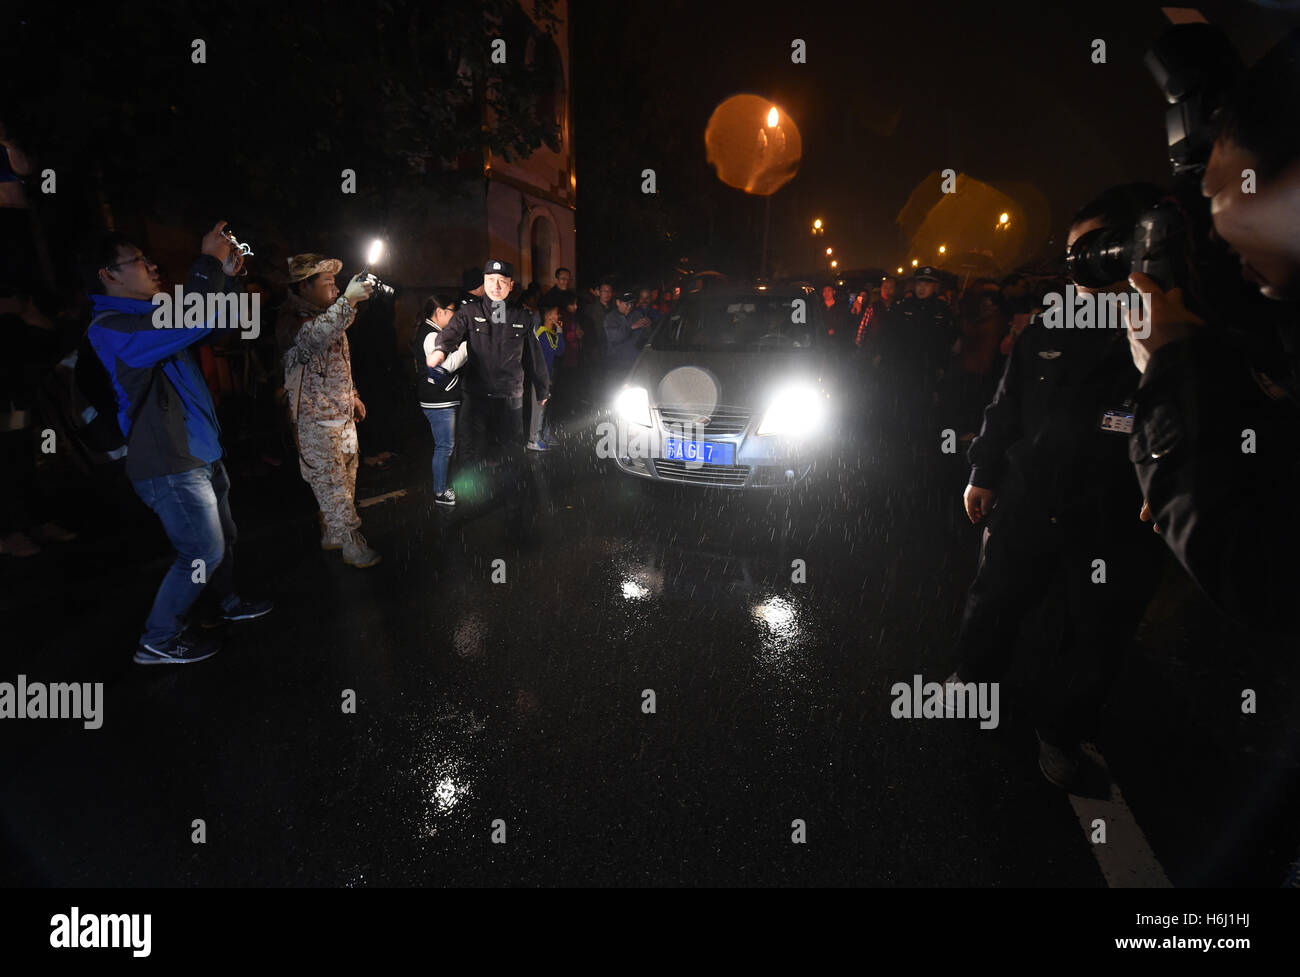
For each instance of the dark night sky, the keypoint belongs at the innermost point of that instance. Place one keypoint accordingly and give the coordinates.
(1003, 91)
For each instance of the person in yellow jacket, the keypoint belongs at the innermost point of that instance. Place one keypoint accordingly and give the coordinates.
(550, 337)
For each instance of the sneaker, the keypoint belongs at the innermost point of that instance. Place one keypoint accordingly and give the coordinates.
(1073, 770)
(181, 650)
(246, 610)
(536, 446)
(331, 542)
(447, 497)
(357, 553)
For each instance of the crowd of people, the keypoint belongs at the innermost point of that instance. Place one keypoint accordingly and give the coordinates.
(1080, 442)
(142, 406)
(932, 344)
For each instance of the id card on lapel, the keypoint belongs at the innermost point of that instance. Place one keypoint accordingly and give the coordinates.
(1118, 420)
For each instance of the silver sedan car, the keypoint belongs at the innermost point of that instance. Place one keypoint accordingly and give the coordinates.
(730, 391)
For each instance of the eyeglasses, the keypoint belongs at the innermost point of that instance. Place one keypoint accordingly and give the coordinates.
(129, 261)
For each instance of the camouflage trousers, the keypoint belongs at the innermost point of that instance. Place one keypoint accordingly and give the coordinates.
(327, 458)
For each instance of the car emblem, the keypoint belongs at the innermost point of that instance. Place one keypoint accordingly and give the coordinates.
(702, 420)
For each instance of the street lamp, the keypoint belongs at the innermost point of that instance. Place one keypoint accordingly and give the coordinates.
(835, 264)
(755, 147)
(900, 269)
(942, 249)
(829, 252)
(1004, 217)
(915, 262)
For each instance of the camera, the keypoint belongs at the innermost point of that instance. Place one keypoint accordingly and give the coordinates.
(1158, 246)
(245, 249)
(1196, 69)
(380, 287)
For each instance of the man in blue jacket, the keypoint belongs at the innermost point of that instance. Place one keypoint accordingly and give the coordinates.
(170, 424)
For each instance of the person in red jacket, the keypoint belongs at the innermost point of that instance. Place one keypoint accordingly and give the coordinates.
(874, 319)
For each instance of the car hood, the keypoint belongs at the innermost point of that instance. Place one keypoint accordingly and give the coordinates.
(735, 379)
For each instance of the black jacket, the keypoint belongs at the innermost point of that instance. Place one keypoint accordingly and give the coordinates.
(840, 325)
(918, 340)
(501, 355)
(1230, 515)
(442, 389)
(1043, 445)
(592, 316)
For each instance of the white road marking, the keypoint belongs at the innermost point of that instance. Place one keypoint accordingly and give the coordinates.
(362, 503)
(1126, 859)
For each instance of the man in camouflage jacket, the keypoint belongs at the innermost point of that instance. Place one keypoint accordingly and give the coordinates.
(312, 334)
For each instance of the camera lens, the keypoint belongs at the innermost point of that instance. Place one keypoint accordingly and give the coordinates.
(1100, 257)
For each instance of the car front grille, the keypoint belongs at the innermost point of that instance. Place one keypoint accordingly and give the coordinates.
(726, 476)
(723, 421)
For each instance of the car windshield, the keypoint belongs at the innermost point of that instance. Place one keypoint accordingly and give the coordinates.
(749, 323)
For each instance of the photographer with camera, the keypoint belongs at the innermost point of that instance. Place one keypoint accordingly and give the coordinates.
(323, 403)
(1053, 455)
(174, 453)
(1217, 437)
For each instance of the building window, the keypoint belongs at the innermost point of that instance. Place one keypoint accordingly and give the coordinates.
(543, 249)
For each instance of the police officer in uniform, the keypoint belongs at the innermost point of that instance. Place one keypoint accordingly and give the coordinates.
(503, 355)
(916, 358)
(1050, 476)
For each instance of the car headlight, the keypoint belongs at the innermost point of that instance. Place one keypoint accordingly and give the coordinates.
(633, 405)
(794, 410)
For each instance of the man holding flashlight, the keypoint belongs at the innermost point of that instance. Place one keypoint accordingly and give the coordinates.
(323, 403)
(503, 352)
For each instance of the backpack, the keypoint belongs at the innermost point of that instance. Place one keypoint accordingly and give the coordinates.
(78, 402)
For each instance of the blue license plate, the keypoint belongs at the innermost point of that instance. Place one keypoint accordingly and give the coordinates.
(704, 452)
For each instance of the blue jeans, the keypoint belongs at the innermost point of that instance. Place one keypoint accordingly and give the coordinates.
(442, 422)
(194, 508)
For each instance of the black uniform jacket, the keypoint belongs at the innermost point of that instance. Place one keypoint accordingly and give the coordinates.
(1055, 437)
(501, 354)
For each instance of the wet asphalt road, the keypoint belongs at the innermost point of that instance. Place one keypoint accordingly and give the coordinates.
(523, 701)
